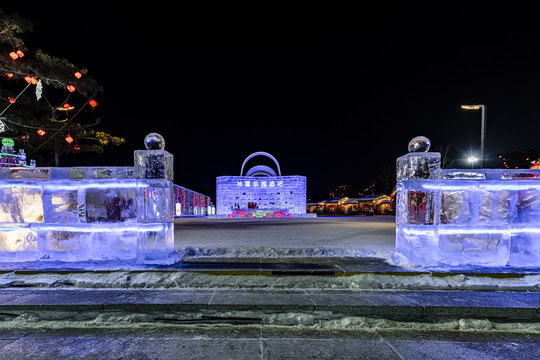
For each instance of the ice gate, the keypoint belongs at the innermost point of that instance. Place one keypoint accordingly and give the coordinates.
(90, 213)
(486, 217)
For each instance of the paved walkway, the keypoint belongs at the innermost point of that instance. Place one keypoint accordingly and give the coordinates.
(255, 342)
(414, 304)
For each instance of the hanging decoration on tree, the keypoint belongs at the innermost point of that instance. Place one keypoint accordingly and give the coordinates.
(69, 139)
(93, 104)
(41, 133)
(9, 75)
(67, 107)
(12, 100)
(39, 90)
(70, 88)
(31, 80)
(78, 74)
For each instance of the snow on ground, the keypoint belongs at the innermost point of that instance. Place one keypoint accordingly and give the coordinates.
(290, 237)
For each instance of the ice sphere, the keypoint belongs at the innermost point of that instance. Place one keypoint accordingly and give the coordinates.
(154, 141)
(419, 144)
(153, 164)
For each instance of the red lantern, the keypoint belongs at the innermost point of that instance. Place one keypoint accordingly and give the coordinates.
(9, 75)
(12, 100)
(69, 139)
(31, 80)
(78, 74)
(93, 104)
(71, 88)
(13, 55)
(41, 132)
(20, 53)
(77, 147)
(67, 106)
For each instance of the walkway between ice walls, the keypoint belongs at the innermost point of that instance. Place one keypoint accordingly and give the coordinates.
(90, 213)
(482, 217)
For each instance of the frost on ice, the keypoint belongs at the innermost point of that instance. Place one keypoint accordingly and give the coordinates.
(481, 217)
(98, 213)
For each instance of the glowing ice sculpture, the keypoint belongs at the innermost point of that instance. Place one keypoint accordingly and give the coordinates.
(261, 192)
(485, 217)
(89, 213)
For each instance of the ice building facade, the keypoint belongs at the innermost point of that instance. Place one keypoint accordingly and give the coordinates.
(261, 192)
(455, 217)
(90, 213)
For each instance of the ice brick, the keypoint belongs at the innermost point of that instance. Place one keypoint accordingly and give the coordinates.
(65, 244)
(525, 247)
(460, 246)
(155, 201)
(18, 243)
(114, 242)
(155, 244)
(153, 164)
(61, 202)
(20, 204)
(455, 207)
(418, 243)
(115, 204)
(419, 165)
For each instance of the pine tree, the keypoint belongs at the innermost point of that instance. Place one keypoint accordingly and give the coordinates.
(46, 101)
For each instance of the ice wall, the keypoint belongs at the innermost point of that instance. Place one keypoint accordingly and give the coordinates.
(274, 193)
(487, 217)
(89, 213)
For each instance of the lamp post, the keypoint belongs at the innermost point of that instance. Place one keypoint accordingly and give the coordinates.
(483, 126)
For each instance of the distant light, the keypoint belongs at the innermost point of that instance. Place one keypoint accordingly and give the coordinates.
(472, 159)
(470, 107)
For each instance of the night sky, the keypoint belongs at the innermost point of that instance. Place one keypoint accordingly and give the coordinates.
(335, 93)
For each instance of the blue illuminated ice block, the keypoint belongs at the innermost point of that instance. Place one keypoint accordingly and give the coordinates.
(455, 217)
(88, 213)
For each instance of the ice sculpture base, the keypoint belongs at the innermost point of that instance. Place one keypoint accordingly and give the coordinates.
(485, 217)
(141, 243)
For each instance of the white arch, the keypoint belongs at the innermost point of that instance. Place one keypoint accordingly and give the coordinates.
(260, 153)
(261, 170)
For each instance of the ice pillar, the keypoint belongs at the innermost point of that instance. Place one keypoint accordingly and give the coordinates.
(153, 170)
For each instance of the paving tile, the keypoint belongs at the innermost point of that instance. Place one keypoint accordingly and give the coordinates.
(261, 299)
(478, 346)
(301, 348)
(362, 302)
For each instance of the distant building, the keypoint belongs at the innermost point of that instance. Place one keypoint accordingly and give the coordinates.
(191, 203)
(261, 192)
(364, 205)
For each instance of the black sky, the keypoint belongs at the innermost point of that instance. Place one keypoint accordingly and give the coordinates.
(333, 92)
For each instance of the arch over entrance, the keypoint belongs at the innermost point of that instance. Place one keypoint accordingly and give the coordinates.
(259, 153)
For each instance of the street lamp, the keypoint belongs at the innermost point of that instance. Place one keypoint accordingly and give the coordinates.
(472, 159)
(483, 133)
